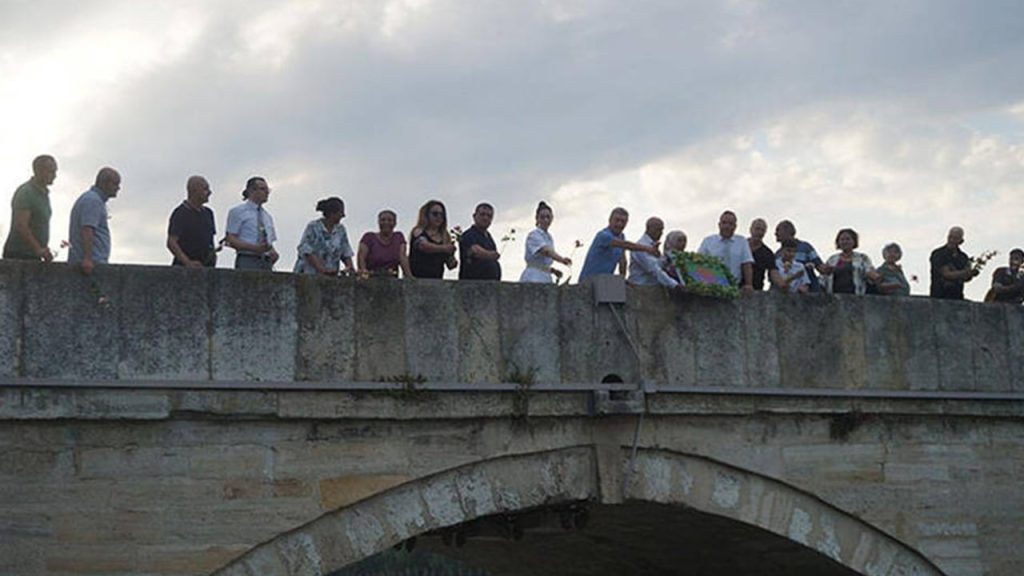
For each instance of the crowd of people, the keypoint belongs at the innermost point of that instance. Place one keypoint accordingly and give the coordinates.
(432, 247)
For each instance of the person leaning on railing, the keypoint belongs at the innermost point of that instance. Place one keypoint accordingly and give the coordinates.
(891, 281)
(324, 245)
(431, 248)
(848, 271)
(382, 253)
(540, 250)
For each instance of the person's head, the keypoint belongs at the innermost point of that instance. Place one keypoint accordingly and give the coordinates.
(675, 240)
(256, 190)
(847, 239)
(44, 169)
(1016, 258)
(544, 215)
(758, 228)
(784, 230)
(386, 221)
(955, 237)
(618, 219)
(654, 227)
(108, 181)
(198, 190)
(789, 248)
(332, 208)
(892, 253)
(727, 224)
(483, 215)
(432, 216)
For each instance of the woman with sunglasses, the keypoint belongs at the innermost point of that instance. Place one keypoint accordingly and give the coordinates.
(431, 248)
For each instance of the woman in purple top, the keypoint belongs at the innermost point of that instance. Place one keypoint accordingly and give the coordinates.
(383, 253)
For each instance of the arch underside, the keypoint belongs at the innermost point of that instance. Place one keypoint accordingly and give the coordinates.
(544, 513)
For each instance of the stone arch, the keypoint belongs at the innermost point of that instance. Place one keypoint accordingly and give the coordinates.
(515, 483)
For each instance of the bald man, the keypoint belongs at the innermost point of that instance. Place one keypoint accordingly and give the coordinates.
(88, 233)
(950, 267)
(646, 269)
(191, 229)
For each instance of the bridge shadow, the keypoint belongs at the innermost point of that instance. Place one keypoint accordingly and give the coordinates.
(555, 512)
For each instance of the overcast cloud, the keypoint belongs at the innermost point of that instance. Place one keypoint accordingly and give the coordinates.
(899, 118)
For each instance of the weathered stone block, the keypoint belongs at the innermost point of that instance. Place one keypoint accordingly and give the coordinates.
(884, 344)
(721, 342)
(327, 332)
(761, 335)
(918, 343)
(529, 332)
(477, 323)
(163, 314)
(1015, 345)
(577, 333)
(953, 321)
(344, 490)
(655, 313)
(989, 340)
(254, 326)
(71, 322)
(380, 343)
(431, 337)
(11, 294)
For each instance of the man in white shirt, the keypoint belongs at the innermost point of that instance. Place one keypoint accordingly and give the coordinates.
(731, 249)
(645, 269)
(250, 228)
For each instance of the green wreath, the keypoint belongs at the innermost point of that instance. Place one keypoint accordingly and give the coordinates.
(704, 275)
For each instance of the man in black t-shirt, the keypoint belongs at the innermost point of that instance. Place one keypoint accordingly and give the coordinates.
(191, 230)
(951, 268)
(764, 258)
(478, 253)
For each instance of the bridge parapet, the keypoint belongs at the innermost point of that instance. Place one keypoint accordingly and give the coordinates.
(134, 325)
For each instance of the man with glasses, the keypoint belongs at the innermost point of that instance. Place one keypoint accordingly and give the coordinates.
(250, 228)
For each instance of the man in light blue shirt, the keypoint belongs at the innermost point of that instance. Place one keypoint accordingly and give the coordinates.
(89, 233)
(645, 269)
(732, 249)
(250, 228)
(608, 248)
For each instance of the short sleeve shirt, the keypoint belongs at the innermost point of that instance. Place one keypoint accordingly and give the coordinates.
(602, 258)
(733, 251)
(381, 256)
(940, 287)
(476, 268)
(90, 210)
(331, 247)
(195, 231)
(251, 223)
(1002, 277)
(806, 254)
(795, 269)
(36, 200)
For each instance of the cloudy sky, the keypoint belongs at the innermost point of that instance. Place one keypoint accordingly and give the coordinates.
(898, 118)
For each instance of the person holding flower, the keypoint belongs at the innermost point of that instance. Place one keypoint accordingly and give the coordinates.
(382, 253)
(1008, 281)
(432, 248)
(324, 243)
(891, 281)
(540, 250)
(848, 271)
(951, 268)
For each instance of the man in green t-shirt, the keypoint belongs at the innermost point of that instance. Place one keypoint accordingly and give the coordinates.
(29, 236)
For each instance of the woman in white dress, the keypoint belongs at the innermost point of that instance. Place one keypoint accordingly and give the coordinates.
(540, 250)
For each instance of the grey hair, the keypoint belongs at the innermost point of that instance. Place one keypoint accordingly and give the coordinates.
(672, 237)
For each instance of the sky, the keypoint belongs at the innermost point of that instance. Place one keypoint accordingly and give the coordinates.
(896, 118)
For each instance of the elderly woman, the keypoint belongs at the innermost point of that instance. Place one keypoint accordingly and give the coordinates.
(848, 271)
(675, 241)
(382, 253)
(325, 243)
(431, 247)
(540, 250)
(891, 280)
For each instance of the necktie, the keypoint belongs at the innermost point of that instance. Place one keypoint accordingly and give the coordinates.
(261, 228)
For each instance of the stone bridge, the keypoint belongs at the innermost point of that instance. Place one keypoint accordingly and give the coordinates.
(169, 421)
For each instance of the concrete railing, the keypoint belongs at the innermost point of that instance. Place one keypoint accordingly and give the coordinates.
(132, 325)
